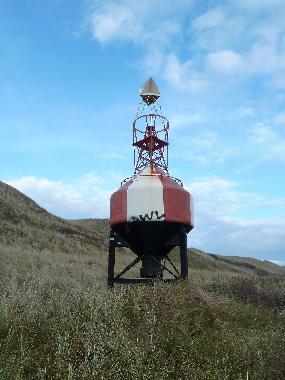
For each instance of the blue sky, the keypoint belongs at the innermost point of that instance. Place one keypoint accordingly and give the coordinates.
(69, 78)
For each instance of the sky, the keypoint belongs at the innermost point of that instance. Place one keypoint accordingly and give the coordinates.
(70, 73)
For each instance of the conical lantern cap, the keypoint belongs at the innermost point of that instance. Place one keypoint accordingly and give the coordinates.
(150, 91)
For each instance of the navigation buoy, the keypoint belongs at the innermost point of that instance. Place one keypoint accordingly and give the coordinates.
(151, 213)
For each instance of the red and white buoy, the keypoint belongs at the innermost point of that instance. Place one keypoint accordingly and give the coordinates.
(151, 212)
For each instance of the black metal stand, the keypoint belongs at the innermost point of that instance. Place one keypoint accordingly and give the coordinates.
(111, 259)
(179, 239)
(183, 254)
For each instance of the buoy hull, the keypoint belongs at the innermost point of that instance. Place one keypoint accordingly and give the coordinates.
(151, 196)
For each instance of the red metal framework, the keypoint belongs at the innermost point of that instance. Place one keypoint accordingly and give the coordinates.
(150, 141)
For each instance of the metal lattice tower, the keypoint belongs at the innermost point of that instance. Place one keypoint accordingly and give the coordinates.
(150, 131)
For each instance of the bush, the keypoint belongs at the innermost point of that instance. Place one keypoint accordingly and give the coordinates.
(266, 291)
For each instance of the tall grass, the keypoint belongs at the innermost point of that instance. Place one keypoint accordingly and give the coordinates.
(58, 321)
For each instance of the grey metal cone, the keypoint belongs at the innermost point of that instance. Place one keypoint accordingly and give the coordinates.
(150, 88)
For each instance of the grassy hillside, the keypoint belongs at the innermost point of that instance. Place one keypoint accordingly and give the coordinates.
(58, 320)
(24, 224)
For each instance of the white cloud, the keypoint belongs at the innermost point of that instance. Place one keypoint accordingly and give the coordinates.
(143, 22)
(222, 197)
(278, 82)
(113, 156)
(246, 112)
(278, 152)
(183, 76)
(217, 229)
(114, 22)
(261, 49)
(84, 197)
(216, 35)
(206, 148)
(262, 133)
(226, 34)
(206, 140)
(152, 62)
(258, 4)
(263, 58)
(278, 262)
(280, 117)
(268, 143)
(181, 120)
(212, 18)
(225, 62)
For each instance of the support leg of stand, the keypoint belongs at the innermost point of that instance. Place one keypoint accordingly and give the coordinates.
(183, 255)
(111, 260)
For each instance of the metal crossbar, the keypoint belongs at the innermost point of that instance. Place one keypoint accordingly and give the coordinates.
(128, 267)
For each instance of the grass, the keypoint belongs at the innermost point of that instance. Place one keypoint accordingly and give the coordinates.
(58, 321)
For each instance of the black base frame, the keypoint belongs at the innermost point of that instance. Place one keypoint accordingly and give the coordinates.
(177, 240)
